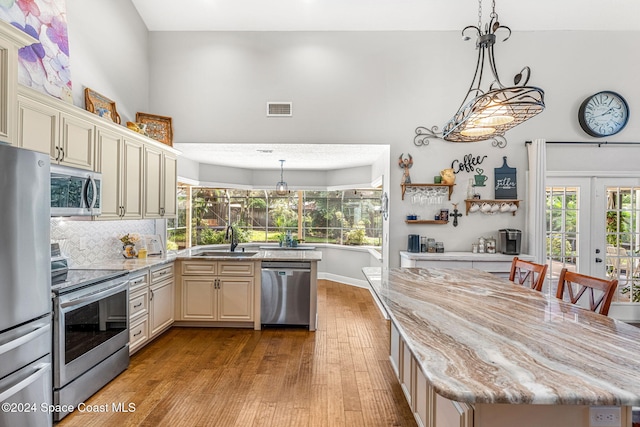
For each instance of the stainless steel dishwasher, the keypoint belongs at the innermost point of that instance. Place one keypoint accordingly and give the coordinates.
(286, 293)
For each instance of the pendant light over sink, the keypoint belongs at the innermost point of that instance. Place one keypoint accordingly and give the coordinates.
(488, 113)
(281, 187)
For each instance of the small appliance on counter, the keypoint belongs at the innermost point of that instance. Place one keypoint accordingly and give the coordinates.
(413, 244)
(510, 240)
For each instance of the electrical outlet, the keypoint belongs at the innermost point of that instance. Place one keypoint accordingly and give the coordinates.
(604, 416)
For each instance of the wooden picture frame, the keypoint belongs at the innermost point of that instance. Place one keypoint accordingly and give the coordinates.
(100, 105)
(159, 128)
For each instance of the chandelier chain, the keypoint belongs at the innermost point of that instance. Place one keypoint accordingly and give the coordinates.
(480, 14)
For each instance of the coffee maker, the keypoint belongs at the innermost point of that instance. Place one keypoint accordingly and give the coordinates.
(413, 244)
(510, 239)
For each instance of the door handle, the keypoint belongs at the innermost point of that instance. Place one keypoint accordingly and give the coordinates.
(598, 259)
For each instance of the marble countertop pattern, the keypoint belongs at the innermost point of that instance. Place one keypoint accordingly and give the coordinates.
(481, 339)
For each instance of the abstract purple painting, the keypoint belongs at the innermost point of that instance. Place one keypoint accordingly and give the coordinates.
(43, 66)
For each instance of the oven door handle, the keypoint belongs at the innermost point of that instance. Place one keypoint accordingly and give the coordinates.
(94, 297)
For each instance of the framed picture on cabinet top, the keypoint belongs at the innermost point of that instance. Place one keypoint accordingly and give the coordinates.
(100, 105)
(159, 128)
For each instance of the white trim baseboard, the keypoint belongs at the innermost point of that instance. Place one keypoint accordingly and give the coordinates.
(343, 279)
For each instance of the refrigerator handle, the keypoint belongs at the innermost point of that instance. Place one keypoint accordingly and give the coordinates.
(43, 368)
(6, 347)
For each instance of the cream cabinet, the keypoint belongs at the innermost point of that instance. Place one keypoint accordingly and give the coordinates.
(11, 39)
(429, 408)
(68, 139)
(160, 183)
(138, 174)
(37, 126)
(161, 299)
(76, 145)
(120, 161)
(221, 291)
(138, 310)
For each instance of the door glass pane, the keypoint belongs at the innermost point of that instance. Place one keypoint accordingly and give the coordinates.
(623, 241)
(562, 231)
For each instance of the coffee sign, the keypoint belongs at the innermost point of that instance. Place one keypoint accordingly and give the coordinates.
(506, 186)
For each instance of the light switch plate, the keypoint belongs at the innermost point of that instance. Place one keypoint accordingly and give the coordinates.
(604, 416)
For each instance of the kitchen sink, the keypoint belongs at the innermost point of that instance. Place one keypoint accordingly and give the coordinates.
(226, 254)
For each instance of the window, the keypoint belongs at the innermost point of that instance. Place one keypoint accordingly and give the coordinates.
(623, 241)
(349, 217)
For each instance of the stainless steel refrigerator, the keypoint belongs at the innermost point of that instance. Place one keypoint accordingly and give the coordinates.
(25, 288)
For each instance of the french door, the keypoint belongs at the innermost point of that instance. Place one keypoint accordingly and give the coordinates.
(593, 227)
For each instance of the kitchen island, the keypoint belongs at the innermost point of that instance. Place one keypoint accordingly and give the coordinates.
(470, 348)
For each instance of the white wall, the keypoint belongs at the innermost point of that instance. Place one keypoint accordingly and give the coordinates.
(109, 53)
(263, 179)
(354, 87)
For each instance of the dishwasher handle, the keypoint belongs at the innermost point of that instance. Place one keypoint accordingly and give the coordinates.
(282, 271)
(284, 265)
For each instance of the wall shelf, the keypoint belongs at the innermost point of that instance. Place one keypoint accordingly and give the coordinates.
(492, 202)
(405, 186)
(426, 221)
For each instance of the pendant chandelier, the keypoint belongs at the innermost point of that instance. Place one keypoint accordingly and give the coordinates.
(488, 114)
(281, 186)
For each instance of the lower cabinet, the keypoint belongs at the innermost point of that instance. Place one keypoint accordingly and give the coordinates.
(138, 310)
(161, 299)
(151, 304)
(429, 408)
(217, 291)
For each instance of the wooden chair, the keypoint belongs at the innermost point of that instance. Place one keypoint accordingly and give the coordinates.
(587, 283)
(523, 271)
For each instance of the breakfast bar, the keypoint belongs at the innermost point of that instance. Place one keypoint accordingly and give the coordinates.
(472, 349)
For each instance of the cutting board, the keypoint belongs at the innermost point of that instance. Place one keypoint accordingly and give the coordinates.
(506, 186)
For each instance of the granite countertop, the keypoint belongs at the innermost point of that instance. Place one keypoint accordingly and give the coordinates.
(136, 264)
(480, 339)
(276, 254)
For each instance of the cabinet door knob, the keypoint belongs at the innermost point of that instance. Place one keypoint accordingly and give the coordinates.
(598, 259)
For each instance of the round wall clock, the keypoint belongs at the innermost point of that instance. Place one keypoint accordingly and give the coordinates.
(603, 114)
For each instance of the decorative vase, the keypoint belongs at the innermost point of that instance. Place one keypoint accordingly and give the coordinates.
(129, 251)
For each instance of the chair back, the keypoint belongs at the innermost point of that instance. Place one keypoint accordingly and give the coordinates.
(589, 285)
(525, 271)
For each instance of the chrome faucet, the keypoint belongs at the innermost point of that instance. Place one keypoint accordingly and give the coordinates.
(234, 240)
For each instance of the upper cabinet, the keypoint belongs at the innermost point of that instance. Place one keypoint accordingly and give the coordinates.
(67, 138)
(121, 163)
(11, 39)
(76, 146)
(160, 183)
(138, 174)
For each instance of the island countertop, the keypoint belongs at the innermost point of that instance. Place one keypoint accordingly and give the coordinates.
(481, 339)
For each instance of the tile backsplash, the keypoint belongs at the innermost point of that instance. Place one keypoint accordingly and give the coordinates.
(91, 242)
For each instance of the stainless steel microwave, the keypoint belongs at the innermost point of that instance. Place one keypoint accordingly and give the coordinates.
(75, 192)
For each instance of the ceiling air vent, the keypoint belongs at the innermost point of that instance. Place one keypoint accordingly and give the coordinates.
(279, 109)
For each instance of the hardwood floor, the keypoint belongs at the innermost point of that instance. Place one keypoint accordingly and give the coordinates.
(339, 375)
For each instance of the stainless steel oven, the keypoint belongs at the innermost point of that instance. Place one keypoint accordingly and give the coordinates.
(90, 333)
